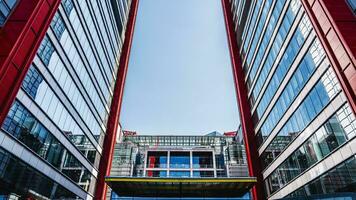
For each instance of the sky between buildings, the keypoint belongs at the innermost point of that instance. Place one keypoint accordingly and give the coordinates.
(180, 78)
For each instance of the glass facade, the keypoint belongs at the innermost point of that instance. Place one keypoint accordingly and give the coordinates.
(20, 181)
(157, 159)
(208, 156)
(6, 6)
(175, 156)
(202, 160)
(299, 111)
(61, 110)
(331, 135)
(27, 129)
(179, 160)
(341, 179)
(352, 4)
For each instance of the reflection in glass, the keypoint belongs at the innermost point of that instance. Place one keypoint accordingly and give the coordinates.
(179, 160)
(156, 159)
(330, 136)
(202, 160)
(179, 174)
(152, 173)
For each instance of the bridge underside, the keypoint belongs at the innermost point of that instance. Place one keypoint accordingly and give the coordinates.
(180, 187)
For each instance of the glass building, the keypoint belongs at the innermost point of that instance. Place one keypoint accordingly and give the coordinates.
(51, 140)
(303, 118)
(179, 166)
(63, 65)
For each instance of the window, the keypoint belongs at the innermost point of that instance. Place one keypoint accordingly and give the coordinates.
(202, 160)
(330, 136)
(156, 159)
(352, 4)
(18, 177)
(341, 180)
(6, 7)
(202, 174)
(151, 173)
(179, 160)
(26, 128)
(68, 6)
(57, 25)
(32, 82)
(46, 50)
(179, 174)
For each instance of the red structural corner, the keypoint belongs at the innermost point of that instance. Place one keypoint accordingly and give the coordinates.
(20, 38)
(335, 25)
(114, 117)
(254, 166)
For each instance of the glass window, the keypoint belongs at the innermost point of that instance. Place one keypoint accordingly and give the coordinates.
(68, 6)
(318, 146)
(45, 50)
(22, 125)
(321, 135)
(352, 4)
(302, 158)
(179, 160)
(202, 160)
(156, 159)
(32, 82)
(151, 173)
(338, 180)
(179, 174)
(313, 150)
(21, 180)
(202, 174)
(57, 25)
(37, 88)
(6, 6)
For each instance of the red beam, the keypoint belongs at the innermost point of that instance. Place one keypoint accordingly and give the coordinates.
(114, 117)
(20, 38)
(254, 166)
(335, 26)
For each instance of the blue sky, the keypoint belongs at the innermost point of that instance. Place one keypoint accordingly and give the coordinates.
(180, 78)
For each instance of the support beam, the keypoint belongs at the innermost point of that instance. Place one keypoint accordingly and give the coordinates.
(253, 162)
(115, 108)
(335, 26)
(20, 38)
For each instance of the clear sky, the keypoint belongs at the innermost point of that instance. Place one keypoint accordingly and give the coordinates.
(180, 78)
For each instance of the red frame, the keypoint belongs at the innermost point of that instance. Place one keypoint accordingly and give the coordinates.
(248, 132)
(20, 38)
(115, 108)
(335, 25)
(21, 35)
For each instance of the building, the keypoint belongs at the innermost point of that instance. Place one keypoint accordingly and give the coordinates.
(214, 164)
(294, 66)
(59, 70)
(62, 72)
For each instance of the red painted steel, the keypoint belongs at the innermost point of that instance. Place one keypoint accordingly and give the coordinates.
(254, 166)
(335, 25)
(113, 122)
(20, 38)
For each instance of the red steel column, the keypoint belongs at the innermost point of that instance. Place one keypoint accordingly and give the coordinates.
(253, 162)
(113, 121)
(335, 25)
(20, 38)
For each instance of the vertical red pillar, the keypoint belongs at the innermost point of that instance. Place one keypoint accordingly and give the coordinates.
(113, 121)
(20, 38)
(335, 25)
(254, 166)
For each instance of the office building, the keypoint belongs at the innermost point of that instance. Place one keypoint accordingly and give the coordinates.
(294, 66)
(59, 65)
(62, 72)
(212, 165)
